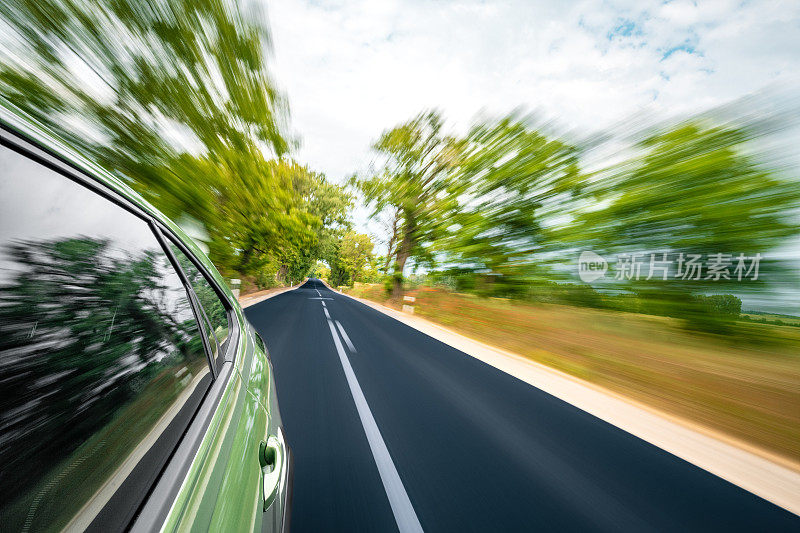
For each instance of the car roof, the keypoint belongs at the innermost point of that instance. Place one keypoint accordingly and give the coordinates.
(18, 121)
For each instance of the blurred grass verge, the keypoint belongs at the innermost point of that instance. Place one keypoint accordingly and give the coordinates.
(742, 386)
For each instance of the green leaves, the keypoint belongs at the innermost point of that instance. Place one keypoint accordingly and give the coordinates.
(474, 202)
(417, 182)
(504, 208)
(696, 187)
(355, 253)
(177, 99)
(510, 173)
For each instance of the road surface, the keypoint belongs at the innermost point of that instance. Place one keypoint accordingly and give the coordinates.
(393, 430)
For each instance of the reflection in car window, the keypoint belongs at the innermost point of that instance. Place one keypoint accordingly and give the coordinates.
(214, 309)
(99, 351)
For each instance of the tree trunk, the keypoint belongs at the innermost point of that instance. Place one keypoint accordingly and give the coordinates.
(392, 240)
(282, 274)
(403, 253)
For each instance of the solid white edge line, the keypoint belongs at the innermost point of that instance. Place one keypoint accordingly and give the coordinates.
(403, 511)
(345, 337)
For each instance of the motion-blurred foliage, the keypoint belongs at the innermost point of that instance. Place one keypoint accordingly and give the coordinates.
(175, 97)
(352, 260)
(506, 209)
(417, 184)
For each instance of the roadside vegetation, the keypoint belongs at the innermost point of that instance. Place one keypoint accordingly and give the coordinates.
(507, 209)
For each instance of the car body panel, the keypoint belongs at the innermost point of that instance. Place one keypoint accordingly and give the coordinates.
(224, 490)
(222, 486)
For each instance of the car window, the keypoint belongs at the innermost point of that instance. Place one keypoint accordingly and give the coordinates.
(215, 311)
(100, 354)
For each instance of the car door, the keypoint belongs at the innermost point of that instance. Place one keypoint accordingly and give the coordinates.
(239, 477)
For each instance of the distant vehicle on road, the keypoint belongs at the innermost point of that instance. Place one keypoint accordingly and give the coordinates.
(135, 394)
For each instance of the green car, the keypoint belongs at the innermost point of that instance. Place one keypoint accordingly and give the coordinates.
(135, 395)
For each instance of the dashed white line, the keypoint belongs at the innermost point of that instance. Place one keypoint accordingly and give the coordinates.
(345, 337)
(403, 511)
(326, 313)
(323, 304)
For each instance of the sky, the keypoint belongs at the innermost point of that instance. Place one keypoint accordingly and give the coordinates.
(352, 69)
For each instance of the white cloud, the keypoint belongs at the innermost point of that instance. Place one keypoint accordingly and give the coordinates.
(353, 69)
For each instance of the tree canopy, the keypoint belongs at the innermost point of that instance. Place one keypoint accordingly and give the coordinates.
(416, 180)
(507, 208)
(178, 101)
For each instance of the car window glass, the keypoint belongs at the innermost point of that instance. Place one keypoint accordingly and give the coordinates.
(213, 307)
(99, 353)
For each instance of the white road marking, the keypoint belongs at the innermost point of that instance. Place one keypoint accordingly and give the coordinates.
(345, 337)
(322, 298)
(403, 511)
(326, 313)
(323, 304)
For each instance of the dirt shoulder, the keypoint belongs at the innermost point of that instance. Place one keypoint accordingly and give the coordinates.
(732, 410)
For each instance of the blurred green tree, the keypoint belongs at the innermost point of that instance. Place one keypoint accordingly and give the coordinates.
(702, 188)
(511, 177)
(692, 188)
(415, 181)
(355, 254)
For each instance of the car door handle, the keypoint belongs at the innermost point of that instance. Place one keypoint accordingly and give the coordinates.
(270, 455)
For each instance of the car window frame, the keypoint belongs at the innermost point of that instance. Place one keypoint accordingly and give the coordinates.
(234, 333)
(19, 142)
(202, 321)
(196, 414)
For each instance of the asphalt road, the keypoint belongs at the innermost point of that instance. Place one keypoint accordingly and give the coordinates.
(407, 430)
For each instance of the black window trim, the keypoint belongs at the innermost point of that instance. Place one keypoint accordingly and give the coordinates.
(154, 505)
(199, 315)
(234, 334)
(32, 150)
(163, 495)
